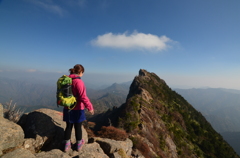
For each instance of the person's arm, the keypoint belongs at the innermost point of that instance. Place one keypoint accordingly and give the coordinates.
(82, 97)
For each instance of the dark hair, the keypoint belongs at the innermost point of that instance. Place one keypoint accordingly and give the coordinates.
(78, 68)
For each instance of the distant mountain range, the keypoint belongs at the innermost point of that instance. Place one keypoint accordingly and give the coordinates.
(221, 107)
(30, 96)
(25, 93)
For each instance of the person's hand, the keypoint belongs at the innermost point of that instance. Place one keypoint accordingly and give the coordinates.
(91, 112)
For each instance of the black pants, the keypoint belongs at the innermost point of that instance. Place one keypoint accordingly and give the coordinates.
(68, 130)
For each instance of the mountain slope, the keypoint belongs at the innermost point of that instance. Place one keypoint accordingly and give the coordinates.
(233, 138)
(162, 123)
(219, 106)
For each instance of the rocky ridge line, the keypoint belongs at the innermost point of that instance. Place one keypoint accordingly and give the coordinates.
(39, 134)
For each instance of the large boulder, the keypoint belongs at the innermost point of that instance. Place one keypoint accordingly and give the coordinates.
(91, 150)
(11, 135)
(44, 130)
(115, 148)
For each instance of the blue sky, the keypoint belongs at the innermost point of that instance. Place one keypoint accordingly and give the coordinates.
(187, 43)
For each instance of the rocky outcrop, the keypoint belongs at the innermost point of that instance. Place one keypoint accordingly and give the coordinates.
(163, 124)
(92, 150)
(115, 148)
(43, 130)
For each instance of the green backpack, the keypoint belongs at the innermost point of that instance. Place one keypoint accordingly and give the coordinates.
(64, 92)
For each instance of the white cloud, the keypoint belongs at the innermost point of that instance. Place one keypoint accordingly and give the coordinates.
(133, 41)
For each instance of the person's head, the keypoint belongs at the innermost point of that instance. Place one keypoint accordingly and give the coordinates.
(77, 69)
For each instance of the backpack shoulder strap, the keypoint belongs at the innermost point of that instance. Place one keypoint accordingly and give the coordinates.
(76, 78)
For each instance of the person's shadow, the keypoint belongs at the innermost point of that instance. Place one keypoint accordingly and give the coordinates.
(38, 123)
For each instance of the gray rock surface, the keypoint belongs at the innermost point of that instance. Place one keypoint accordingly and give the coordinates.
(34, 144)
(19, 153)
(115, 148)
(92, 150)
(55, 153)
(11, 135)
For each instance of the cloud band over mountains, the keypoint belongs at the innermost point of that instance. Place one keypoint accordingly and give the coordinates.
(133, 41)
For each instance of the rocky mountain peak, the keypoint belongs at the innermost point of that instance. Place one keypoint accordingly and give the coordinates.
(139, 84)
(163, 124)
(142, 72)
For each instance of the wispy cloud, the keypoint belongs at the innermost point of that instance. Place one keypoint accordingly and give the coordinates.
(49, 6)
(133, 41)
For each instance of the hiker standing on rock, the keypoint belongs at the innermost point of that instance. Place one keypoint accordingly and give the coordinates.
(76, 116)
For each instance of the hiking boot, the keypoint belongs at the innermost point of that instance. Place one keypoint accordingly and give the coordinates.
(80, 145)
(67, 146)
